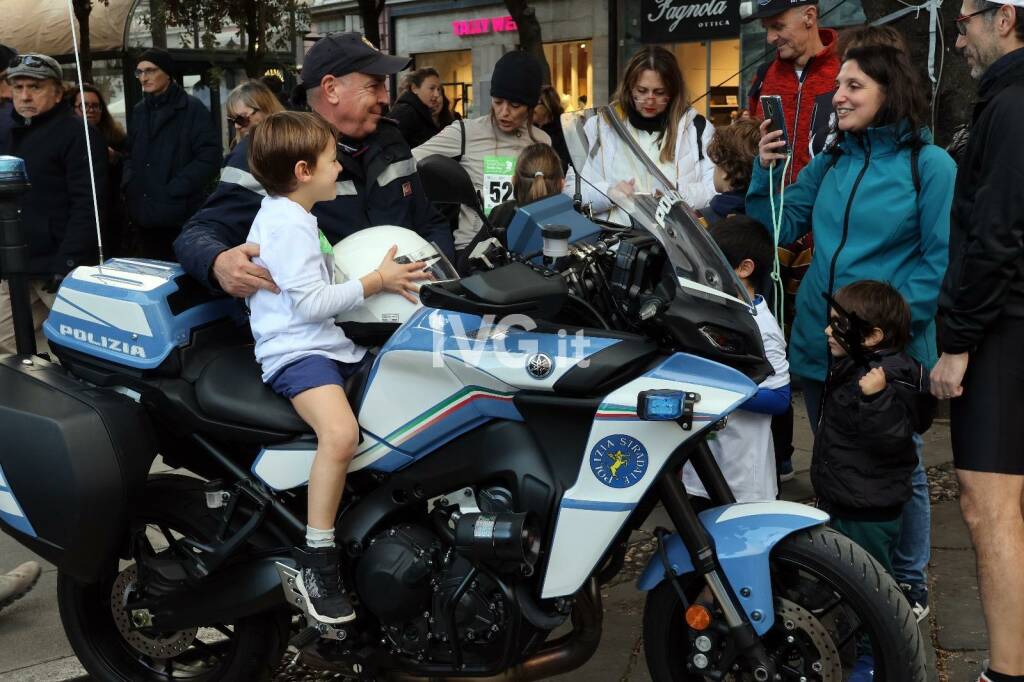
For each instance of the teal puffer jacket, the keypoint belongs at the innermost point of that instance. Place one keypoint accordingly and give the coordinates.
(869, 222)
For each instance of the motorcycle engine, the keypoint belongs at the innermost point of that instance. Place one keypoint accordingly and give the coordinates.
(426, 594)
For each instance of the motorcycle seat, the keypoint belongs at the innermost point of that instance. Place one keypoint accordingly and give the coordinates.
(230, 388)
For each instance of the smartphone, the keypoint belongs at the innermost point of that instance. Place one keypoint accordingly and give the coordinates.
(771, 108)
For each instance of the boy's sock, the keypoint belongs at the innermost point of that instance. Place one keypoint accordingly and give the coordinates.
(319, 538)
(993, 676)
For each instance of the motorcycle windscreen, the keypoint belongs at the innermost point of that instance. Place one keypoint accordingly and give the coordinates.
(70, 458)
(700, 267)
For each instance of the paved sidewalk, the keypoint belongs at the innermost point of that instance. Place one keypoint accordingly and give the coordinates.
(33, 647)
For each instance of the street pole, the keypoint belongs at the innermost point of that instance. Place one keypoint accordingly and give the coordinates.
(14, 252)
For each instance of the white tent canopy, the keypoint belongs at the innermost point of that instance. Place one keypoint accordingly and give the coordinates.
(41, 26)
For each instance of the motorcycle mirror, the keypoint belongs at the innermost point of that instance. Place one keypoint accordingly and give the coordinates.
(445, 181)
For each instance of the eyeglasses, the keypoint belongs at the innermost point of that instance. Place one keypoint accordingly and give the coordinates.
(242, 120)
(89, 106)
(643, 94)
(139, 73)
(961, 21)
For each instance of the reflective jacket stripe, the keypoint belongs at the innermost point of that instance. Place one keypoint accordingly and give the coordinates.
(398, 169)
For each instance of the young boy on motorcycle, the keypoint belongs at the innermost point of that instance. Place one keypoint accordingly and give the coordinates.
(305, 357)
(744, 447)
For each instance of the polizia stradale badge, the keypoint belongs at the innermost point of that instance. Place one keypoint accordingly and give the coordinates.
(619, 461)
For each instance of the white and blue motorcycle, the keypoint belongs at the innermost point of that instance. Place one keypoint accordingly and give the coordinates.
(515, 430)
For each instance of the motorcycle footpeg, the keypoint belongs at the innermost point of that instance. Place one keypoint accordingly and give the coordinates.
(314, 629)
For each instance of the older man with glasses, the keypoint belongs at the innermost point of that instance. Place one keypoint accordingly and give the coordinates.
(57, 210)
(174, 155)
(981, 329)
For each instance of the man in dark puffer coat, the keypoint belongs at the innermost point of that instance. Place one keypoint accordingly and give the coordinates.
(174, 155)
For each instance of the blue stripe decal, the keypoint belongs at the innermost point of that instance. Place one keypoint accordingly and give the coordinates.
(595, 505)
(16, 518)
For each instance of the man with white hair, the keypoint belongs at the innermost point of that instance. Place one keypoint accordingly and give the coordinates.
(981, 329)
(344, 77)
(57, 209)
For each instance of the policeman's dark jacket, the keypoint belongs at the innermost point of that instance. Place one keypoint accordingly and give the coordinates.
(864, 452)
(414, 119)
(985, 279)
(378, 185)
(57, 212)
(174, 155)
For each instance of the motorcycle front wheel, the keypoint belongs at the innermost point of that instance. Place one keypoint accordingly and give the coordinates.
(110, 648)
(836, 610)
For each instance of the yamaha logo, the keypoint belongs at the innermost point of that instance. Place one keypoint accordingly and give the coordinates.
(539, 365)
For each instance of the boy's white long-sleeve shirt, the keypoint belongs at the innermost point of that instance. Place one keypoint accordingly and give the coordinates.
(299, 321)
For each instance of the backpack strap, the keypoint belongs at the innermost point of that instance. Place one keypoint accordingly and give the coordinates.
(699, 124)
(462, 129)
(915, 172)
(759, 76)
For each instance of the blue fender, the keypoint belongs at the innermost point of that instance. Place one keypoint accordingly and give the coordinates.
(744, 535)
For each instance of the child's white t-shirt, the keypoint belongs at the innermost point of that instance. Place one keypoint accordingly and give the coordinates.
(744, 449)
(299, 321)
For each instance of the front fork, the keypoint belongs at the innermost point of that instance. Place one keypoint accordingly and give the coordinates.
(701, 546)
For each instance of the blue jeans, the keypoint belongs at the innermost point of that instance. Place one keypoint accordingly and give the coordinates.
(914, 547)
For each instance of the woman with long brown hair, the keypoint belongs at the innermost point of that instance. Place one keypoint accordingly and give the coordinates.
(248, 105)
(652, 104)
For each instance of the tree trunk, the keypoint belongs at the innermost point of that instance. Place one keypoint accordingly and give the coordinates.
(82, 10)
(369, 12)
(530, 39)
(255, 47)
(158, 23)
(957, 89)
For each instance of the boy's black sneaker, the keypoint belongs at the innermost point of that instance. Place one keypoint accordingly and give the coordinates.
(918, 598)
(320, 584)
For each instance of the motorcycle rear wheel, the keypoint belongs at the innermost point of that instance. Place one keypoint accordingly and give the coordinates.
(242, 651)
(843, 601)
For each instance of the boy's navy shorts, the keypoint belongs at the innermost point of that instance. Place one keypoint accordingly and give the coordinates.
(313, 371)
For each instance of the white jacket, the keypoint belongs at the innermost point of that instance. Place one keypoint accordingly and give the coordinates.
(694, 179)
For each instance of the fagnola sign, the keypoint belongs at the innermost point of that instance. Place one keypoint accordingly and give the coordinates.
(676, 21)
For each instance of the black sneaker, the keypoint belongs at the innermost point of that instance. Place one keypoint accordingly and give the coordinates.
(320, 584)
(918, 598)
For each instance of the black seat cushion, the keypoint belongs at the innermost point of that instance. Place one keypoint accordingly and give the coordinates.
(230, 388)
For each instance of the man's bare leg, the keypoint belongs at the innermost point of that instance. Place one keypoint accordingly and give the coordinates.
(993, 507)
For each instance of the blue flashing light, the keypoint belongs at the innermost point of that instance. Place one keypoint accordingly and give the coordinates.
(660, 405)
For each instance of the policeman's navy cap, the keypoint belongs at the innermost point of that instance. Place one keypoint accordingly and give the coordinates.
(342, 53)
(771, 8)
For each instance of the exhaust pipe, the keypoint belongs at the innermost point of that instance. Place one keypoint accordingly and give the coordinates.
(561, 656)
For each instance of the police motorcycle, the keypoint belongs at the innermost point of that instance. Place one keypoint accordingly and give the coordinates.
(514, 431)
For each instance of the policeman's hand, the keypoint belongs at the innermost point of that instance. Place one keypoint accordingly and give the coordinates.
(400, 278)
(769, 143)
(873, 382)
(238, 276)
(948, 375)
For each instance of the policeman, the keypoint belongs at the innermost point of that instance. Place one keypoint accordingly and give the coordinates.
(344, 77)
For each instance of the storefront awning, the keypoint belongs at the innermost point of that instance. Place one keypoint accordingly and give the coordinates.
(42, 26)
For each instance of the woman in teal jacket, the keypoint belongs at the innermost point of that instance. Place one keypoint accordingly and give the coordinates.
(878, 204)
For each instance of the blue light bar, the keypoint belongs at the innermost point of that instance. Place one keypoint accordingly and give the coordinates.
(660, 404)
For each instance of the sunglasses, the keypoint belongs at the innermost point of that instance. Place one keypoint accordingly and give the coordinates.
(242, 120)
(33, 62)
(961, 21)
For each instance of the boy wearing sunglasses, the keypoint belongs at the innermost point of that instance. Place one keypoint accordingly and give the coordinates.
(876, 398)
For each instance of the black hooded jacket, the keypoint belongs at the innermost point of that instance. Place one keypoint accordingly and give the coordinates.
(985, 279)
(57, 210)
(864, 453)
(414, 119)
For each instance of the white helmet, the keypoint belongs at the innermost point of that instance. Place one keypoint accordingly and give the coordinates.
(362, 252)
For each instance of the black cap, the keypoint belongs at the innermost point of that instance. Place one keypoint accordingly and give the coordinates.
(771, 8)
(517, 77)
(162, 58)
(342, 53)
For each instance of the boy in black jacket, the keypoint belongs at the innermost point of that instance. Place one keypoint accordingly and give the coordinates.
(875, 400)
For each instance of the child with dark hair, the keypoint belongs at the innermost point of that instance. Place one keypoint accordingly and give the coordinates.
(874, 403)
(744, 449)
(731, 150)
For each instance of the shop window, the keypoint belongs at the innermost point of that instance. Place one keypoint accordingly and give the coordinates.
(572, 72)
(709, 70)
(456, 70)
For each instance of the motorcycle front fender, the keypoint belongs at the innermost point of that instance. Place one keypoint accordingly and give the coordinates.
(744, 535)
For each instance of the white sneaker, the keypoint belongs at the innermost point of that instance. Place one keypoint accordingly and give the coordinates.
(16, 583)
